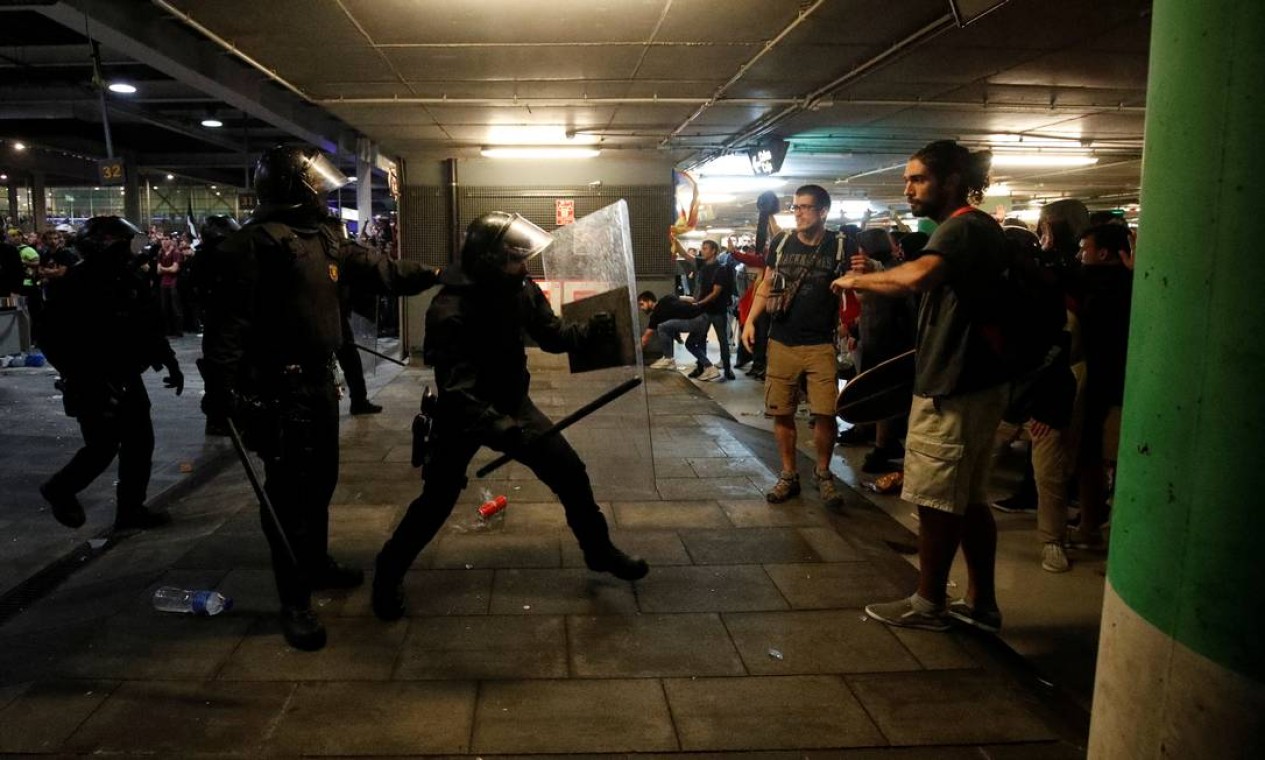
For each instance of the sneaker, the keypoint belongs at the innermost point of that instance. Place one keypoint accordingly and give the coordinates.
(1017, 504)
(985, 620)
(337, 576)
(1054, 558)
(901, 613)
(756, 374)
(710, 373)
(698, 371)
(665, 363)
(66, 508)
(302, 628)
(1080, 538)
(364, 407)
(827, 490)
(754, 369)
(786, 487)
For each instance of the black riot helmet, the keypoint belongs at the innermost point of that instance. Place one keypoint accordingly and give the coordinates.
(495, 239)
(215, 228)
(110, 235)
(291, 177)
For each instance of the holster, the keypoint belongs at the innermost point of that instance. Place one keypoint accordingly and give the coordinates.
(423, 427)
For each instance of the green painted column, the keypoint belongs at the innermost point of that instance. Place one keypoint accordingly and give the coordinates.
(1181, 668)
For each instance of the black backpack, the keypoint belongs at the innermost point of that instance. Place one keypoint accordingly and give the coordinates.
(1029, 313)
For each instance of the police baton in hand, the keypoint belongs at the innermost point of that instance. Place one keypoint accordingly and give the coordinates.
(264, 501)
(569, 420)
(371, 352)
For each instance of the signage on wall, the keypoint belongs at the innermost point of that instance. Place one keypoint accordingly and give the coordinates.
(110, 171)
(767, 159)
(564, 211)
(393, 182)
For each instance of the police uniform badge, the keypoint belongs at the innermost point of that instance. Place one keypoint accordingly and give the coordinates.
(333, 272)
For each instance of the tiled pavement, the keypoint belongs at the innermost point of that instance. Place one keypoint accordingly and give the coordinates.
(746, 636)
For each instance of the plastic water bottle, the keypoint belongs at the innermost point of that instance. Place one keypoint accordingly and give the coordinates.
(172, 599)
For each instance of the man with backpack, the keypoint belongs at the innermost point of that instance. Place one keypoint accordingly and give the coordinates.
(804, 318)
(715, 292)
(960, 386)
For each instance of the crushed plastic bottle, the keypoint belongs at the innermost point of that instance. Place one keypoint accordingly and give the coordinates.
(491, 505)
(172, 599)
(776, 654)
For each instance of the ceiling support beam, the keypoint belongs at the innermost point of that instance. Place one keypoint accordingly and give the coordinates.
(187, 56)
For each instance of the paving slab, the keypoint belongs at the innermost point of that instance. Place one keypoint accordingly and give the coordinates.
(948, 707)
(643, 646)
(46, 714)
(573, 716)
(759, 513)
(657, 547)
(717, 714)
(748, 546)
(832, 585)
(358, 649)
(485, 647)
(823, 641)
(156, 645)
(670, 514)
(721, 588)
(560, 592)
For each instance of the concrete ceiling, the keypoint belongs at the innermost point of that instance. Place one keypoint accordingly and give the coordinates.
(853, 85)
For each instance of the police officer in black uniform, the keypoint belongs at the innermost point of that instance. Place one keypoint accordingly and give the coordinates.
(267, 360)
(101, 333)
(475, 341)
(215, 229)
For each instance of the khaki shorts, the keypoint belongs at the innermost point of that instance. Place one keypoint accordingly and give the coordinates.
(1111, 435)
(783, 370)
(949, 448)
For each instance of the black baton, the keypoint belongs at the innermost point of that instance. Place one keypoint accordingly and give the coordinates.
(371, 352)
(264, 501)
(569, 420)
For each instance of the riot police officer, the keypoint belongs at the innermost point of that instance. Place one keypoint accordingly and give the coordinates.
(268, 349)
(215, 229)
(475, 341)
(101, 333)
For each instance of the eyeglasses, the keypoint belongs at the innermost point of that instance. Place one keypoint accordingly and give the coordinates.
(804, 207)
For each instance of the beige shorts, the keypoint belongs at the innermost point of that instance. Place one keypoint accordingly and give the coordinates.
(948, 451)
(783, 370)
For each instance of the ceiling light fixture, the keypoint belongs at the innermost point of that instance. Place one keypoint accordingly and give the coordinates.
(212, 123)
(541, 152)
(171, 176)
(19, 146)
(738, 184)
(122, 88)
(3, 177)
(1042, 159)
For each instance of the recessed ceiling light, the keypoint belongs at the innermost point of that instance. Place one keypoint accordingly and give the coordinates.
(1042, 159)
(3, 177)
(122, 88)
(212, 123)
(558, 152)
(171, 176)
(19, 146)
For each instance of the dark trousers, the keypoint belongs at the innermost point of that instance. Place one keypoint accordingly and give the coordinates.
(173, 321)
(353, 369)
(720, 323)
(552, 460)
(759, 348)
(125, 430)
(301, 468)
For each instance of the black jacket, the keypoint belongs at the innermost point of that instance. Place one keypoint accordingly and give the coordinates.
(475, 340)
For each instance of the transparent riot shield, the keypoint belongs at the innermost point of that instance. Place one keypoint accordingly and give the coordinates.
(589, 269)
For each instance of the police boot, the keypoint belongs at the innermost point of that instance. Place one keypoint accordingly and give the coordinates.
(609, 559)
(388, 594)
(302, 628)
(336, 576)
(364, 406)
(66, 508)
(139, 518)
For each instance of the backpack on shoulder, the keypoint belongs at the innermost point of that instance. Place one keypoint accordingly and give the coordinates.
(783, 289)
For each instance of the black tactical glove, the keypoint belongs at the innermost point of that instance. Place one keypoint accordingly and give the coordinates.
(174, 378)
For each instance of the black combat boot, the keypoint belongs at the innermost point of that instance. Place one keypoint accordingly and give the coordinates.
(302, 628)
(364, 407)
(337, 576)
(66, 508)
(139, 518)
(388, 594)
(609, 559)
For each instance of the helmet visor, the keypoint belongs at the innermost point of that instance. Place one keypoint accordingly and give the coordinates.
(522, 240)
(321, 174)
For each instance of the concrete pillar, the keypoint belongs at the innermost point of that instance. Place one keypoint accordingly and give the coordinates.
(1181, 665)
(365, 152)
(39, 208)
(132, 194)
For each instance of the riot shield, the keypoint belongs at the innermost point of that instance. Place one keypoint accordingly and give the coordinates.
(589, 268)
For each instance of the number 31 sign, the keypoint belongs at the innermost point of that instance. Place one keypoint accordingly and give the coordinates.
(111, 171)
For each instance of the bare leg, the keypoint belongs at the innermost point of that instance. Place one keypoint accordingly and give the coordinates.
(939, 534)
(979, 547)
(824, 431)
(785, 433)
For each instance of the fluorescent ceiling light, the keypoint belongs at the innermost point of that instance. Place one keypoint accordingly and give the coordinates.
(536, 134)
(541, 152)
(720, 231)
(735, 164)
(1000, 188)
(738, 184)
(122, 88)
(1029, 141)
(212, 123)
(19, 146)
(3, 177)
(715, 198)
(1041, 159)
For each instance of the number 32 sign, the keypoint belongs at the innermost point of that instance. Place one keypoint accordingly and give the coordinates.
(111, 171)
